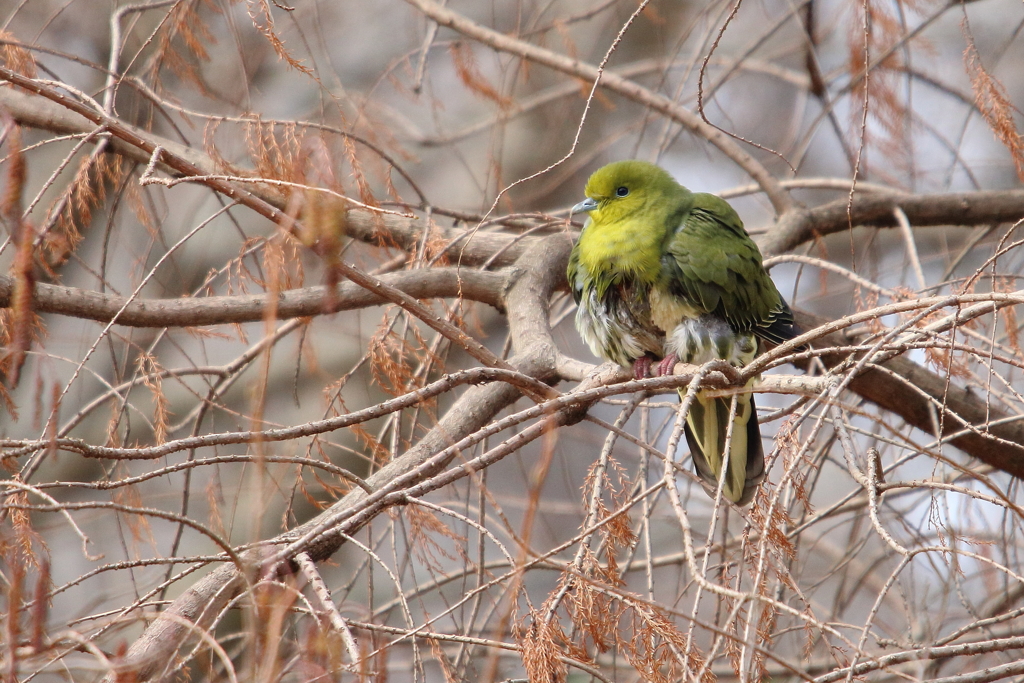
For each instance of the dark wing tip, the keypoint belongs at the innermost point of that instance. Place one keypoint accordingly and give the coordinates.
(780, 328)
(780, 331)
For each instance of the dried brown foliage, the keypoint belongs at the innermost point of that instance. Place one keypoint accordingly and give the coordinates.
(592, 611)
(875, 38)
(994, 104)
(181, 43)
(659, 651)
(74, 209)
(538, 638)
(469, 73)
(263, 21)
(137, 524)
(424, 529)
(16, 57)
(21, 322)
(150, 370)
(389, 359)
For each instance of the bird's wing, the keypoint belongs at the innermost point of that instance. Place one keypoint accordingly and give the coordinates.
(710, 261)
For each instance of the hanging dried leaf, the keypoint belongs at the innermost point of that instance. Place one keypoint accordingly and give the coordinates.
(995, 104)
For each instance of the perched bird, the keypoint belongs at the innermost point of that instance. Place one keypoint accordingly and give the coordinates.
(660, 272)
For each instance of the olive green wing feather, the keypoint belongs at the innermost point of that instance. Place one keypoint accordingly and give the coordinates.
(710, 261)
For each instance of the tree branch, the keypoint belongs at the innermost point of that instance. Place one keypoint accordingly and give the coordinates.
(435, 283)
(877, 209)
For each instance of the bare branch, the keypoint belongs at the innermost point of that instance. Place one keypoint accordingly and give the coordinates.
(473, 285)
(878, 209)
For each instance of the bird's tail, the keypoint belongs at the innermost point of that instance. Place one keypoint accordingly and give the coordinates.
(706, 427)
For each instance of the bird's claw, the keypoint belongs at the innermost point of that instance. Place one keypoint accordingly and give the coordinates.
(667, 365)
(642, 367)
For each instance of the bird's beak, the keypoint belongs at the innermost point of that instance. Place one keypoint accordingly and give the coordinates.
(585, 206)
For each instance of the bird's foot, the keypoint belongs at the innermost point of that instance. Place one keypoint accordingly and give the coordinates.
(642, 367)
(667, 365)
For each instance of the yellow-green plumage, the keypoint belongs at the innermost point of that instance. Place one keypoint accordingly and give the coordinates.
(660, 272)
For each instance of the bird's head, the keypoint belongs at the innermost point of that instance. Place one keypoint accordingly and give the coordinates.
(622, 188)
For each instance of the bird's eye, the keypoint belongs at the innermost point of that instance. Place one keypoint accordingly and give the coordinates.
(622, 191)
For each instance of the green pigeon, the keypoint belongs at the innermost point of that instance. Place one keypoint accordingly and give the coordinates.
(660, 272)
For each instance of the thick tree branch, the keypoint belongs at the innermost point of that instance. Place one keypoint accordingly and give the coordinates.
(877, 209)
(433, 283)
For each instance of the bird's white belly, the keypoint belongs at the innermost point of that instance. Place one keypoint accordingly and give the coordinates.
(706, 338)
(607, 330)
